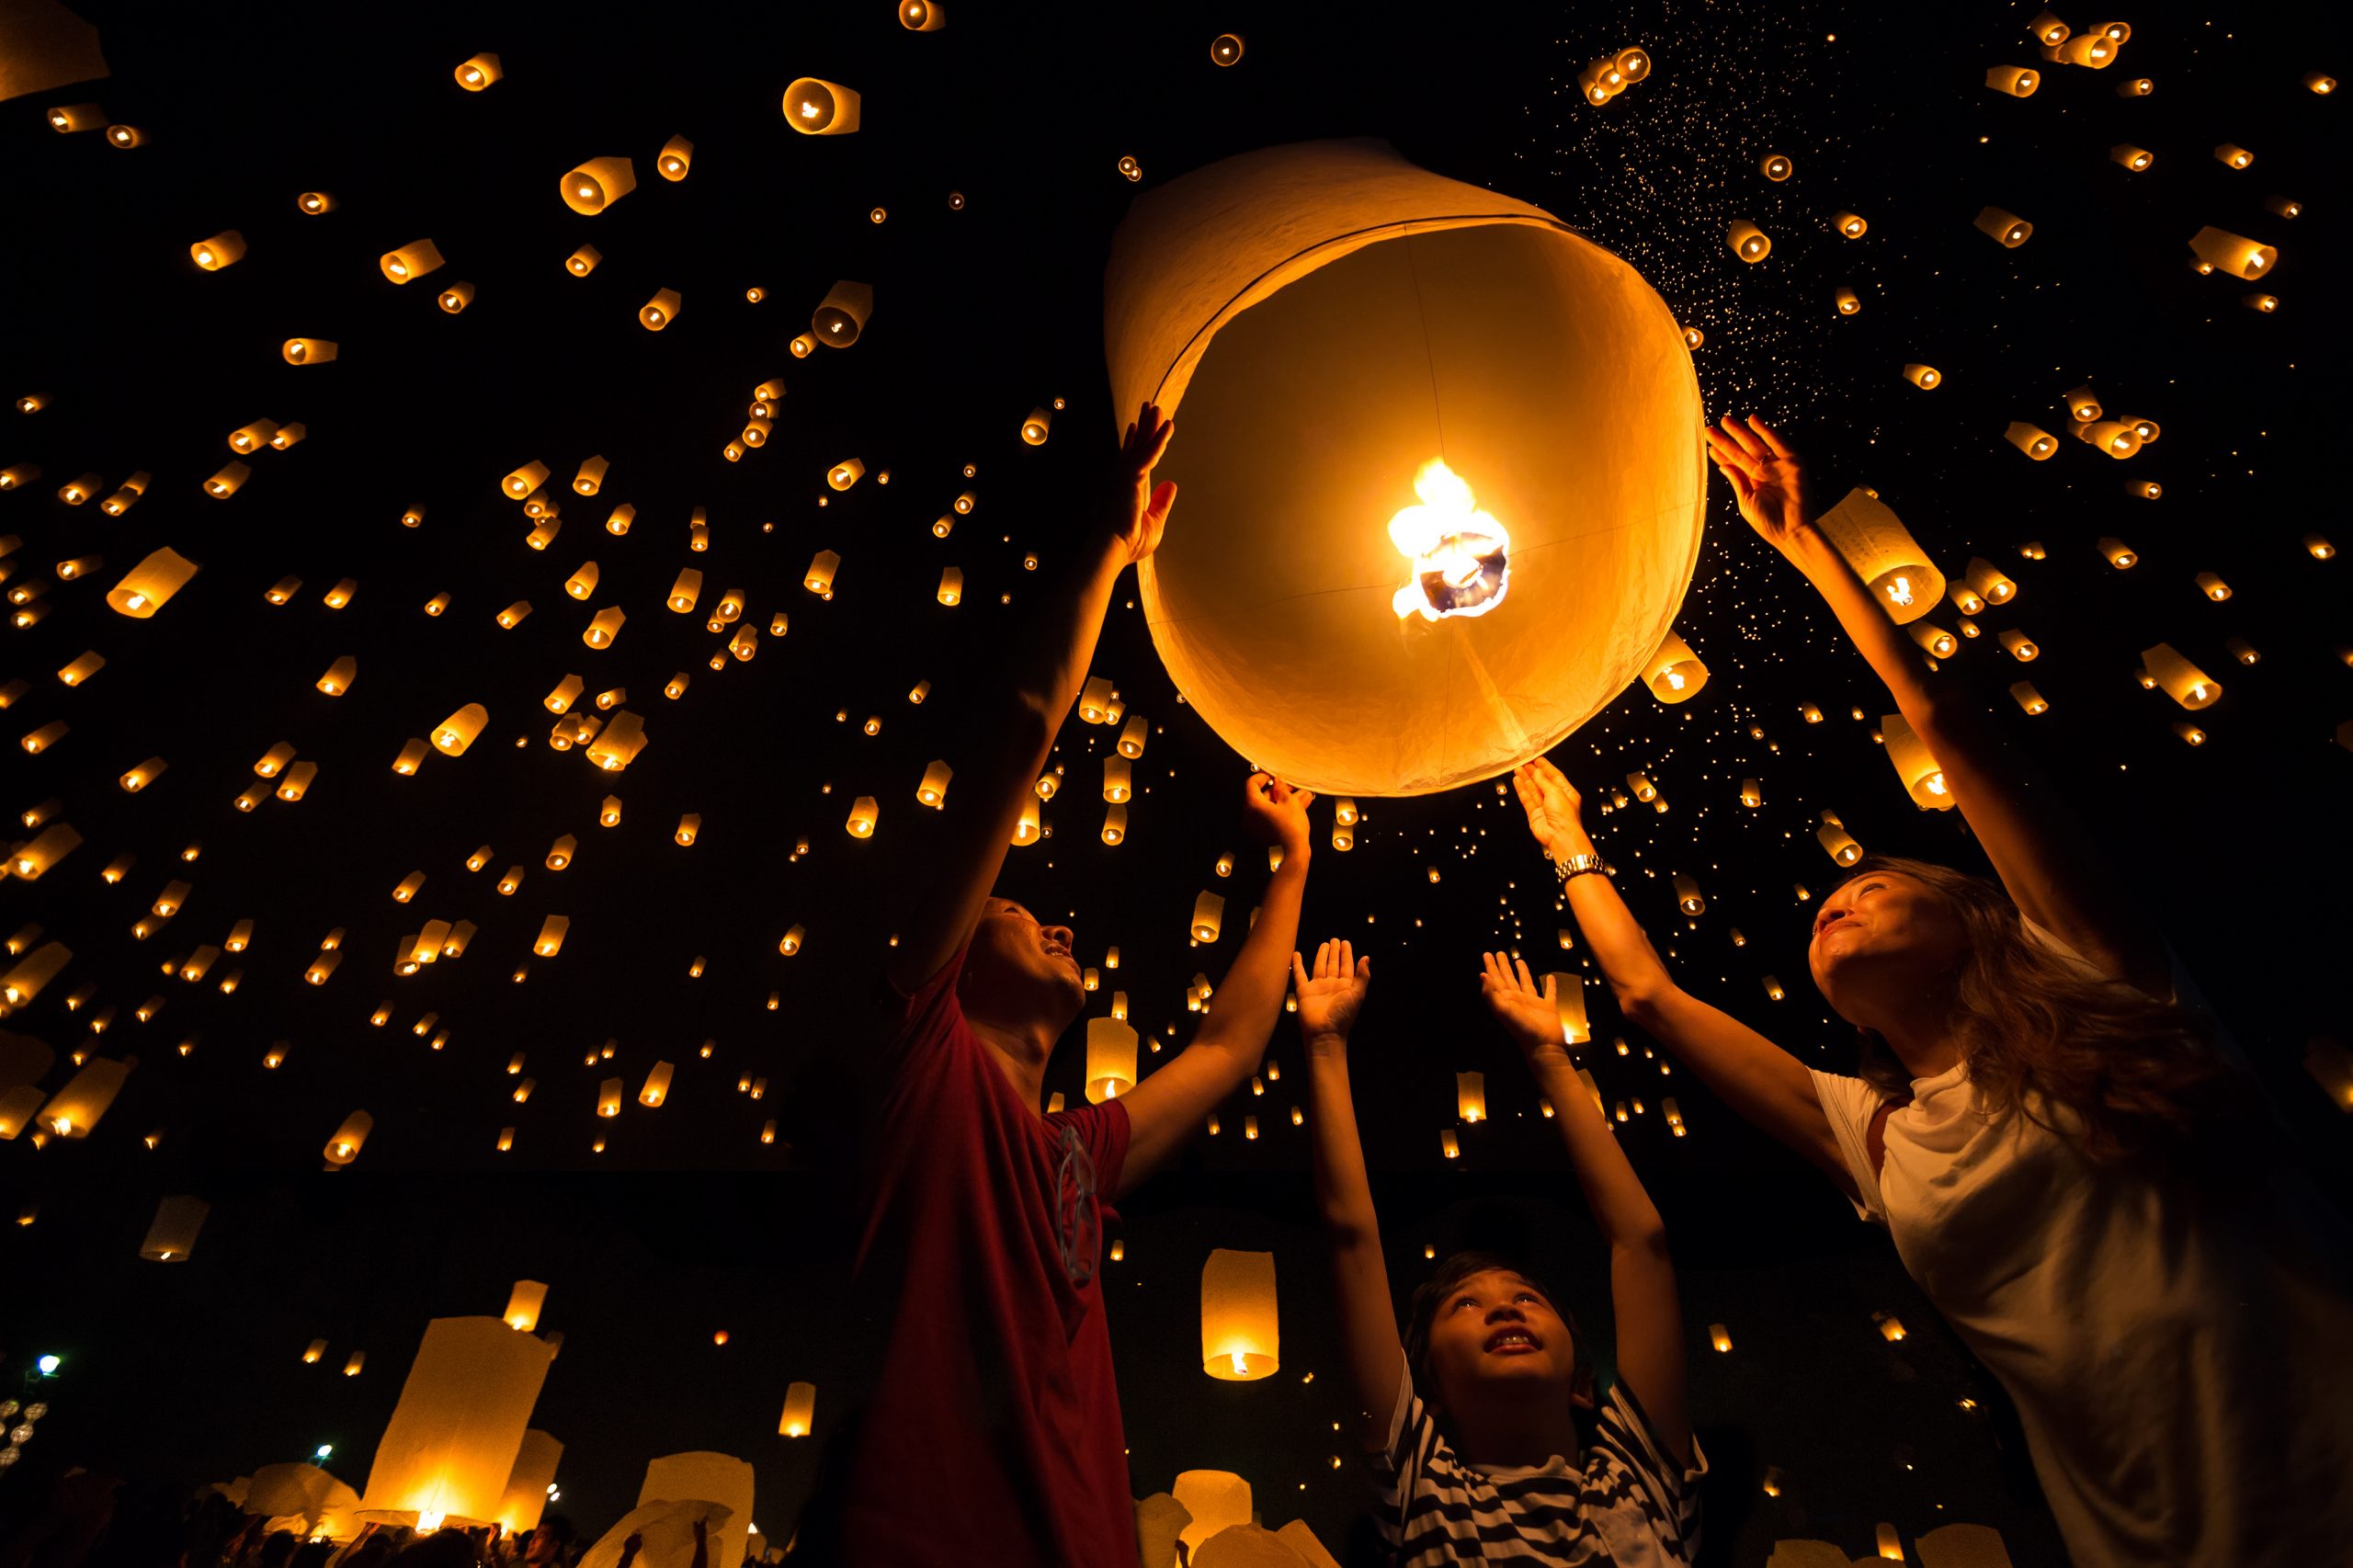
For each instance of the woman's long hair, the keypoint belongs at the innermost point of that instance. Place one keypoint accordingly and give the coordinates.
(2124, 1078)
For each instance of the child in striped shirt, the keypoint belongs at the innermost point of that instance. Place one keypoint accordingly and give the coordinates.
(1469, 1426)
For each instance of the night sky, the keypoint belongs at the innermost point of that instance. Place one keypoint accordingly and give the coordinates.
(660, 1227)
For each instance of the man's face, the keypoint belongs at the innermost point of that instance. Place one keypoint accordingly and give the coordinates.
(1018, 970)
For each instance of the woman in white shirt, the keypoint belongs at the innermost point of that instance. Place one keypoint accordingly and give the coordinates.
(2071, 1166)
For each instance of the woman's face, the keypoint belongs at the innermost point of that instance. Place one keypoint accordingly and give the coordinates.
(1883, 940)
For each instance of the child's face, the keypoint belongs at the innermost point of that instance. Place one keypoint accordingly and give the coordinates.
(1497, 1336)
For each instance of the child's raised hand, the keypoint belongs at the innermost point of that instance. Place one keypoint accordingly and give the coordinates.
(1330, 999)
(1524, 1008)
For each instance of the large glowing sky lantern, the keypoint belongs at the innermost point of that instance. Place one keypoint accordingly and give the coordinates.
(1440, 458)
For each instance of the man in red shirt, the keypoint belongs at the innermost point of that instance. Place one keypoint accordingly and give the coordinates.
(992, 1433)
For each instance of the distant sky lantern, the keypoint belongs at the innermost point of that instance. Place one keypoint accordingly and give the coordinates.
(591, 477)
(2318, 547)
(922, 15)
(814, 106)
(952, 586)
(550, 941)
(1240, 1336)
(456, 733)
(2023, 692)
(1923, 777)
(314, 203)
(800, 1410)
(2234, 253)
(597, 184)
(583, 262)
(1775, 167)
(172, 1237)
(1688, 897)
(2263, 304)
(845, 473)
(2212, 587)
(2319, 82)
(1223, 291)
(1568, 1005)
(338, 677)
(2018, 81)
(1926, 377)
(819, 579)
(603, 627)
(1130, 168)
(802, 346)
(2115, 437)
(660, 310)
(1693, 337)
(1115, 825)
(1847, 302)
(2094, 52)
(478, 72)
(410, 262)
(457, 296)
(1885, 555)
(657, 1086)
(2007, 227)
(1752, 794)
(1747, 241)
(223, 249)
(1117, 779)
(150, 583)
(678, 157)
(686, 590)
(560, 853)
(225, 483)
(2180, 679)
(618, 745)
(1932, 639)
(841, 317)
(1848, 224)
(2132, 157)
(1110, 1059)
(343, 1146)
(1836, 842)
(297, 781)
(2048, 29)
(1987, 582)
(2232, 156)
(1208, 916)
(933, 790)
(1034, 428)
(2036, 443)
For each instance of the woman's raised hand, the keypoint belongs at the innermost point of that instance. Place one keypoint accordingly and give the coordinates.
(1555, 810)
(1330, 998)
(1142, 508)
(1526, 1009)
(1768, 478)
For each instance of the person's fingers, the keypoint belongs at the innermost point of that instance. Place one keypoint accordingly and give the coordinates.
(1773, 442)
(1551, 989)
(1527, 980)
(1364, 970)
(1305, 798)
(1740, 437)
(1298, 973)
(1160, 441)
(1348, 962)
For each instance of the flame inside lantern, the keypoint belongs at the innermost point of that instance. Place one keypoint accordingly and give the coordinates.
(1459, 553)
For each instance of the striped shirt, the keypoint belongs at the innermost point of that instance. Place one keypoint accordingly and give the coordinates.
(1627, 1503)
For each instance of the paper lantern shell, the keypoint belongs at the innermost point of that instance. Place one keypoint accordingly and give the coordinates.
(1110, 1059)
(173, 1235)
(528, 1483)
(1270, 294)
(453, 1438)
(841, 317)
(1240, 1337)
(1923, 778)
(2007, 227)
(597, 184)
(410, 262)
(1884, 554)
(2234, 253)
(817, 108)
(1675, 673)
(2018, 81)
(150, 584)
(480, 71)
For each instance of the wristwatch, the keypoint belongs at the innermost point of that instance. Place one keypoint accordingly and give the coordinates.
(1578, 865)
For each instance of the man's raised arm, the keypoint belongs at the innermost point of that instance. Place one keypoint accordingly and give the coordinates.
(1016, 724)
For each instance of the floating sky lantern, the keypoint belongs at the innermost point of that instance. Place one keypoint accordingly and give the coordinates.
(1884, 554)
(1240, 1340)
(814, 106)
(1260, 316)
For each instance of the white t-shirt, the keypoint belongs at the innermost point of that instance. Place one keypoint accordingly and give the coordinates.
(2184, 1376)
(1627, 1503)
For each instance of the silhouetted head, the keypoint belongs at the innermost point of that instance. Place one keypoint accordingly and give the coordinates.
(1482, 1333)
(1019, 974)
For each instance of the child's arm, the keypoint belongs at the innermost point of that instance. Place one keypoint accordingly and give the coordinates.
(1167, 1109)
(1642, 1276)
(1328, 1003)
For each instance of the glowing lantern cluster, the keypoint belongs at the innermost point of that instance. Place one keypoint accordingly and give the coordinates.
(1603, 79)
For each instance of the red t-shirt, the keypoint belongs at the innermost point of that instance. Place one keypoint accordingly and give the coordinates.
(992, 1432)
